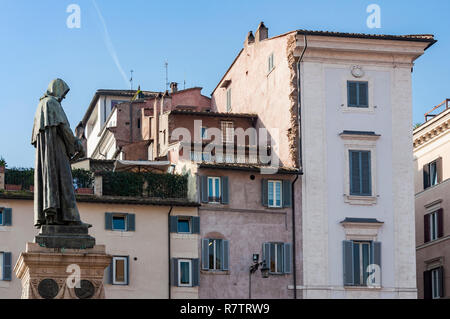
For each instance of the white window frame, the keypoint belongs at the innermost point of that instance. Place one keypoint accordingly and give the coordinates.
(227, 131)
(124, 216)
(214, 178)
(361, 261)
(274, 182)
(434, 226)
(279, 260)
(435, 283)
(370, 83)
(125, 259)
(189, 261)
(189, 220)
(215, 240)
(353, 142)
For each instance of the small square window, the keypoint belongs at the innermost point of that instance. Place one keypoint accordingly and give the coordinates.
(184, 272)
(358, 94)
(119, 222)
(274, 193)
(184, 225)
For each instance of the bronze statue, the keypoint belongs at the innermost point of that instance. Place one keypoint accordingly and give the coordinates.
(56, 146)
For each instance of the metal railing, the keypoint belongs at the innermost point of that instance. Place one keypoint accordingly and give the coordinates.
(444, 103)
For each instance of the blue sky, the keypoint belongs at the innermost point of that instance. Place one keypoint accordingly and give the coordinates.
(199, 39)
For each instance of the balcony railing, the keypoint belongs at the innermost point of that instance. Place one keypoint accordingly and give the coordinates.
(439, 107)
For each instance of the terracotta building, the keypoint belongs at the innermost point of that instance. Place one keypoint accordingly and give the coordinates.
(432, 187)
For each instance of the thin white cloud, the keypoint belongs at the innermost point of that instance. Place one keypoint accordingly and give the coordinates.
(110, 46)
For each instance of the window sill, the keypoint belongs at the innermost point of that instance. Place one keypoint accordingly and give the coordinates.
(354, 109)
(363, 288)
(215, 272)
(4, 284)
(5, 228)
(117, 233)
(360, 200)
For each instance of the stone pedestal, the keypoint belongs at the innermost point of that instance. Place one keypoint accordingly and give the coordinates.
(65, 237)
(48, 273)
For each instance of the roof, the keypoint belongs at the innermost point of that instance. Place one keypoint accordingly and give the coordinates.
(98, 165)
(110, 199)
(250, 167)
(361, 220)
(409, 37)
(215, 114)
(106, 92)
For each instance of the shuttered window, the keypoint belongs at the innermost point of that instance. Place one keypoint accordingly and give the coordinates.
(360, 173)
(185, 224)
(358, 94)
(214, 189)
(120, 221)
(433, 225)
(434, 283)
(5, 216)
(5, 266)
(276, 193)
(357, 257)
(184, 272)
(432, 173)
(215, 254)
(277, 257)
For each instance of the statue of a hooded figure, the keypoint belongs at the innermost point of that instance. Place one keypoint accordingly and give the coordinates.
(54, 197)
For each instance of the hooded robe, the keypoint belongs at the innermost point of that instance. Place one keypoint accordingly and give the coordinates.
(54, 194)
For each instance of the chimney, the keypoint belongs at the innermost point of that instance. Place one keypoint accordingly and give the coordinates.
(173, 87)
(250, 39)
(262, 33)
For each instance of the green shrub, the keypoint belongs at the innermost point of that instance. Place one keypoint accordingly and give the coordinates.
(20, 176)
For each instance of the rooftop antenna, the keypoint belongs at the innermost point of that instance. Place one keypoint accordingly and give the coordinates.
(131, 80)
(167, 75)
(184, 81)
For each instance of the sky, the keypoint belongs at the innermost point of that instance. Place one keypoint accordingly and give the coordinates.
(199, 40)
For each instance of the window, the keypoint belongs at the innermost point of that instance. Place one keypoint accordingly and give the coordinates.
(5, 216)
(274, 193)
(204, 132)
(358, 255)
(184, 225)
(357, 94)
(5, 266)
(215, 254)
(434, 283)
(184, 272)
(229, 100)
(227, 132)
(120, 270)
(120, 221)
(1, 217)
(277, 257)
(270, 63)
(433, 225)
(214, 189)
(432, 173)
(360, 174)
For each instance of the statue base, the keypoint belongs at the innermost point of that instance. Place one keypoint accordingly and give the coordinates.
(48, 273)
(65, 236)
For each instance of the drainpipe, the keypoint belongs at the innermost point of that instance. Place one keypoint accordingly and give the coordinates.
(169, 247)
(300, 164)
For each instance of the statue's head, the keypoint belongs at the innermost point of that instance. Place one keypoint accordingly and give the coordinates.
(58, 89)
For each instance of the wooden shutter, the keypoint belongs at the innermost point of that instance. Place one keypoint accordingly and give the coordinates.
(264, 192)
(440, 221)
(363, 94)
(441, 281)
(287, 194)
(108, 221)
(7, 216)
(226, 254)
(427, 285)
(266, 254)
(355, 186)
(204, 189)
(205, 254)
(426, 228)
(128, 270)
(347, 246)
(110, 272)
(195, 272)
(426, 176)
(195, 225)
(366, 183)
(7, 266)
(352, 99)
(225, 190)
(287, 260)
(173, 220)
(376, 256)
(131, 222)
(439, 169)
(174, 272)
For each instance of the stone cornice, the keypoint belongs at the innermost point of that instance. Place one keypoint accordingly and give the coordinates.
(430, 132)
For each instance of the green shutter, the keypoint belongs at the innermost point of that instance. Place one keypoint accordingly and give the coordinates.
(195, 225)
(205, 254)
(287, 194)
(352, 99)
(174, 272)
(108, 221)
(266, 254)
(426, 176)
(7, 266)
(204, 189)
(264, 194)
(376, 256)
(347, 246)
(225, 190)
(195, 272)
(366, 183)
(7, 216)
(226, 254)
(173, 220)
(287, 260)
(363, 94)
(131, 222)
